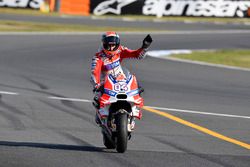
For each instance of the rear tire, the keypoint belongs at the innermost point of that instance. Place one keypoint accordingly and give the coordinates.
(122, 132)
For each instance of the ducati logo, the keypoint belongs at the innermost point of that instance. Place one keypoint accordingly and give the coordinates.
(111, 6)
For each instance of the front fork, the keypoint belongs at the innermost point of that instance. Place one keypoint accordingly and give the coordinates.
(108, 124)
(109, 127)
(130, 125)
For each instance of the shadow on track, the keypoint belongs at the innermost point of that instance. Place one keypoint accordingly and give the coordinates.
(52, 146)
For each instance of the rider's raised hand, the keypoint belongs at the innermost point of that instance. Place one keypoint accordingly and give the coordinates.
(147, 41)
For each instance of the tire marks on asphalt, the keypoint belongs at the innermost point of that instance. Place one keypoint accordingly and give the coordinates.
(215, 160)
(14, 121)
(70, 112)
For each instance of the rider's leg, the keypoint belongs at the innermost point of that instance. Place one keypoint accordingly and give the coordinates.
(97, 104)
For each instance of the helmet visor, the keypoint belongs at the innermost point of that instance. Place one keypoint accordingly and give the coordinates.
(111, 43)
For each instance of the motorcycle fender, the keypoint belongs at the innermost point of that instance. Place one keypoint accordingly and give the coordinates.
(122, 112)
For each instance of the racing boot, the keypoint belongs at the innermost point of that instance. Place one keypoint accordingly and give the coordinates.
(97, 120)
(96, 102)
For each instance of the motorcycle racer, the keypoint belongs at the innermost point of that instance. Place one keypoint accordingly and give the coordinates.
(108, 60)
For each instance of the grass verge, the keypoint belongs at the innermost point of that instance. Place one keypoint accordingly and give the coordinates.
(21, 26)
(238, 58)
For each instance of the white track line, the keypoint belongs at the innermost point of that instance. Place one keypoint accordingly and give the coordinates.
(207, 64)
(159, 108)
(69, 99)
(9, 93)
(162, 108)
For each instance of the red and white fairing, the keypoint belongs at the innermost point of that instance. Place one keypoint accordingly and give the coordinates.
(121, 87)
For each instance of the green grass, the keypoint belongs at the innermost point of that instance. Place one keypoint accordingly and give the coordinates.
(238, 58)
(21, 26)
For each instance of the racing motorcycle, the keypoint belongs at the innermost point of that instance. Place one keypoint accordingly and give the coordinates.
(122, 102)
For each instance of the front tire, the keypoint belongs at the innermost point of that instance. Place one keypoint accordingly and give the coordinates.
(122, 132)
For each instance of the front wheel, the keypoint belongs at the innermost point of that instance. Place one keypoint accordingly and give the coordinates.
(121, 132)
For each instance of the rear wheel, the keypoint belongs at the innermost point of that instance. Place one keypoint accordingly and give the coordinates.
(121, 132)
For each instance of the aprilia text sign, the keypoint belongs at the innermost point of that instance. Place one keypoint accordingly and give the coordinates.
(209, 8)
(159, 8)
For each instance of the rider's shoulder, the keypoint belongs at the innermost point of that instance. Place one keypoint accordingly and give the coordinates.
(100, 54)
(123, 47)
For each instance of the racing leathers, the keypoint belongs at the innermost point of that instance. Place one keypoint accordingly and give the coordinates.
(103, 64)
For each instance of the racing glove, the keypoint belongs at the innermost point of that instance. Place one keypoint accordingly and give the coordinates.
(147, 41)
(96, 87)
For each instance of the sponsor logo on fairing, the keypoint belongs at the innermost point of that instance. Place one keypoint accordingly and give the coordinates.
(110, 92)
(111, 6)
(112, 65)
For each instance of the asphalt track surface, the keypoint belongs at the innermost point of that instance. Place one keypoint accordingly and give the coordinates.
(169, 25)
(37, 130)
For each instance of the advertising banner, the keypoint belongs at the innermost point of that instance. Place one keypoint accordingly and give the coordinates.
(159, 8)
(117, 7)
(35, 4)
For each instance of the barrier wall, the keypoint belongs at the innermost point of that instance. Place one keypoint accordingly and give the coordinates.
(159, 8)
(78, 7)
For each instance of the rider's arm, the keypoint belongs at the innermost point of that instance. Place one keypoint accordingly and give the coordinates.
(96, 67)
(128, 53)
(139, 53)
